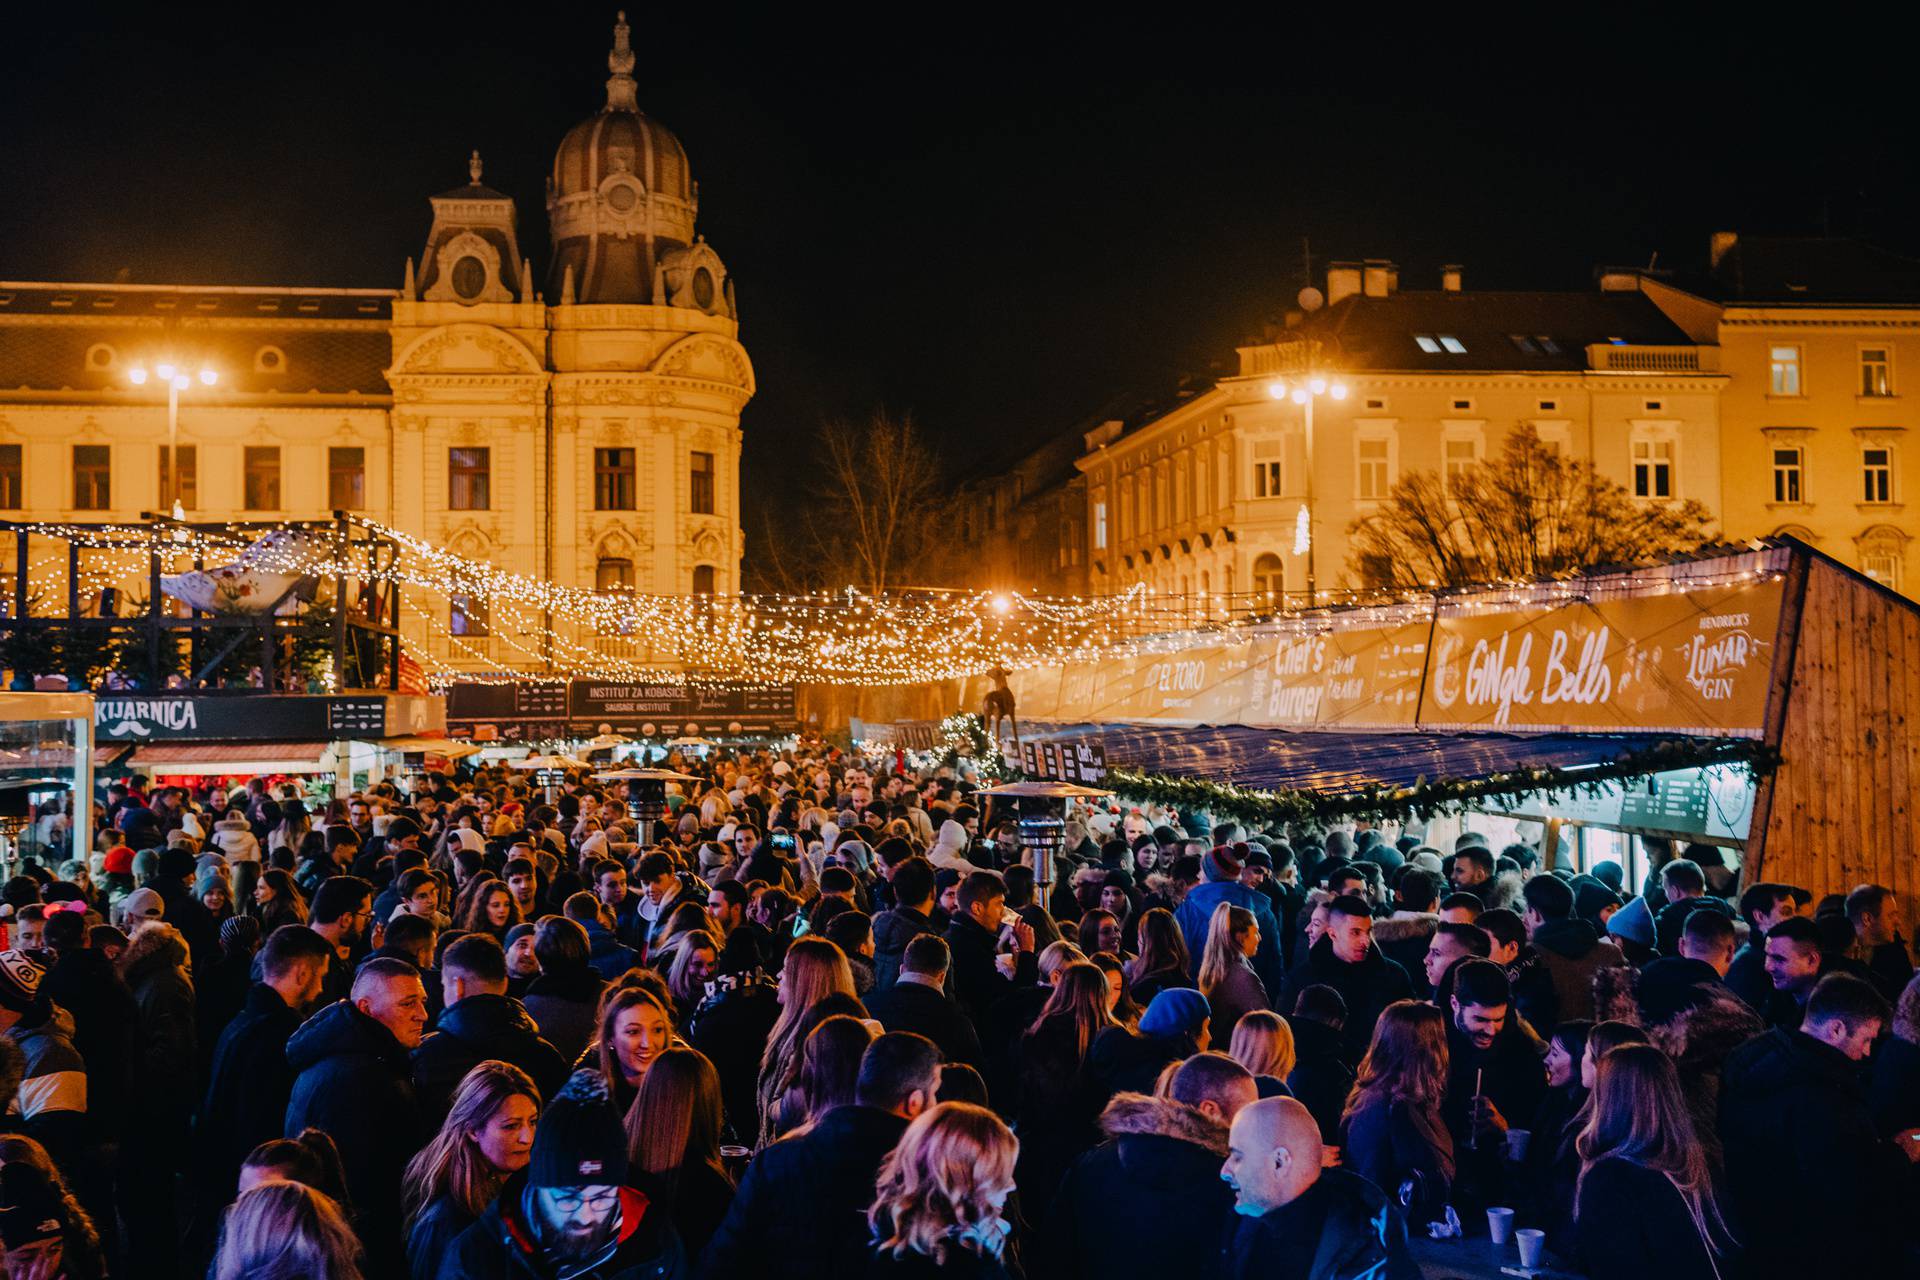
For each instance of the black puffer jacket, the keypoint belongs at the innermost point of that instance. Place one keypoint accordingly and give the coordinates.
(502, 1244)
(1347, 1222)
(1321, 1078)
(247, 1089)
(468, 1033)
(1367, 987)
(892, 931)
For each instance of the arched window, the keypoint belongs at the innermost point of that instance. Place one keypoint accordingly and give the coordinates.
(1269, 578)
(613, 574)
(703, 579)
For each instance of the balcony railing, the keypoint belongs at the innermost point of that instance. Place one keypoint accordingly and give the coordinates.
(1617, 358)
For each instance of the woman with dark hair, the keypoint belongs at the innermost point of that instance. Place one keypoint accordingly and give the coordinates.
(830, 1067)
(636, 1027)
(673, 1140)
(1058, 1100)
(310, 1158)
(1119, 1000)
(1645, 1206)
(1162, 962)
(1556, 1170)
(487, 1138)
(566, 996)
(490, 909)
(1391, 1132)
(1100, 931)
(276, 901)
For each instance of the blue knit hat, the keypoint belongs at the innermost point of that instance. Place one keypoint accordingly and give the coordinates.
(1177, 1011)
(1634, 922)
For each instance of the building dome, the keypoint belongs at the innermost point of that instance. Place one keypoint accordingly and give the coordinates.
(620, 195)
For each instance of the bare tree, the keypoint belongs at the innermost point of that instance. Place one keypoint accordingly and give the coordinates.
(1529, 513)
(876, 515)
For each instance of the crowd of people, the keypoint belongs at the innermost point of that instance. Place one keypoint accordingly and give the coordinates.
(824, 1021)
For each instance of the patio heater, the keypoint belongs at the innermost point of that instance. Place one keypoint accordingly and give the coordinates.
(646, 795)
(550, 772)
(1043, 824)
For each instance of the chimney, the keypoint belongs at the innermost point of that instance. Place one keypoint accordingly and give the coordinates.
(1450, 278)
(1719, 246)
(1343, 281)
(1376, 277)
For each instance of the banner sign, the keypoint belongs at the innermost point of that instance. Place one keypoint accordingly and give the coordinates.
(264, 717)
(523, 712)
(1081, 760)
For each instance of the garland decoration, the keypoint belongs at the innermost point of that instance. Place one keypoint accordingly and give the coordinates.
(1387, 802)
(966, 738)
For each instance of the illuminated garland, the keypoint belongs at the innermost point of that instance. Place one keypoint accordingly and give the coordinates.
(966, 740)
(1387, 803)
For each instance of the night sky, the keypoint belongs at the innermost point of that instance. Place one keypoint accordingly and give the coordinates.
(995, 220)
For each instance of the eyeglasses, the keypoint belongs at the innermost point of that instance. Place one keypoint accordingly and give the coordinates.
(570, 1200)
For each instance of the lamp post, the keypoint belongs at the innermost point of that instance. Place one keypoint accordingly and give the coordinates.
(1043, 828)
(646, 795)
(1304, 392)
(177, 380)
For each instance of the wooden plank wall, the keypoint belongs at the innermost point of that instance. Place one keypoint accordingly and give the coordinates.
(1842, 809)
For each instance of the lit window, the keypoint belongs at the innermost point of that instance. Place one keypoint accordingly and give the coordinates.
(1876, 468)
(1266, 469)
(1269, 578)
(260, 490)
(1784, 363)
(1549, 406)
(1876, 371)
(1652, 468)
(613, 479)
(1100, 525)
(1882, 564)
(702, 493)
(346, 478)
(1459, 455)
(1427, 343)
(703, 579)
(469, 479)
(467, 615)
(1372, 480)
(188, 493)
(1453, 345)
(1788, 474)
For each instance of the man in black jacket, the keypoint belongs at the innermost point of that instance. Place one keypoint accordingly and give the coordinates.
(1346, 959)
(1160, 1163)
(84, 982)
(1494, 1074)
(918, 1001)
(1807, 1171)
(979, 980)
(355, 1082)
(816, 1187)
(1764, 906)
(480, 1021)
(910, 916)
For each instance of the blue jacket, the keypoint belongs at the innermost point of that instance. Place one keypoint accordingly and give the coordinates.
(1194, 914)
(609, 957)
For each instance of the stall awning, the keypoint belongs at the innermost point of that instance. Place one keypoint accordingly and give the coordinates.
(431, 746)
(218, 758)
(1333, 763)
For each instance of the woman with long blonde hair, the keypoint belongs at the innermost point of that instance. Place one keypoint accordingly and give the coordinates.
(486, 1139)
(815, 969)
(673, 1137)
(1391, 1132)
(1227, 978)
(286, 1231)
(1263, 1044)
(942, 1193)
(1644, 1205)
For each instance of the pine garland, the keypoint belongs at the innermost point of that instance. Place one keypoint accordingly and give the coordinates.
(966, 738)
(1385, 802)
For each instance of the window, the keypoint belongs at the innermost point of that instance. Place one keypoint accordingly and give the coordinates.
(100, 356)
(1463, 406)
(1266, 468)
(1653, 406)
(1427, 343)
(1549, 406)
(1377, 403)
(703, 579)
(702, 496)
(92, 477)
(1452, 345)
(346, 478)
(1652, 468)
(1883, 566)
(1547, 344)
(1876, 473)
(188, 493)
(1788, 474)
(1458, 455)
(1876, 371)
(11, 467)
(468, 615)
(1100, 525)
(613, 574)
(1269, 577)
(269, 360)
(1785, 365)
(469, 475)
(1373, 476)
(261, 488)
(1523, 343)
(1435, 343)
(613, 479)
(1160, 508)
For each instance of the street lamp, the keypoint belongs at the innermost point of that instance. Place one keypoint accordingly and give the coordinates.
(1304, 393)
(177, 380)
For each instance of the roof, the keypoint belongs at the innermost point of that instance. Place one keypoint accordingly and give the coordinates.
(1811, 271)
(1497, 331)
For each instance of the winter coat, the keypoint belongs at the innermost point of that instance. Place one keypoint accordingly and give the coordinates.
(1392, 1143)
(1890, 968)
(1196, 912)
(927, 1011)
(1123, 1061)
(469, 1033)
(432, 1235)
(248, 1087)
(190, 916)
(1895, 1091)
(236, 839)
(1571, 951)
(1403, 938)
(1508, 1072)
(1805, 1164)
(978, 984)
(501, 1245)
(154, 966)
(606, 954)
(1367, 987)
(1321, 1078)
(1238, 993)
(1347, 1223)
(1160, 1163)
(563, 1004)
(52, 1101)
(697, 1200)
(732, 1030)
(813, 1187)
(353, 1080)
(1632, 1224)
(892, 931)
(1747, 976)
(1672, 920)
(961, 1264)
(86, 985)
(949, 852)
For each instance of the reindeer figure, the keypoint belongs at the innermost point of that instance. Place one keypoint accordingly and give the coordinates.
(998, 706)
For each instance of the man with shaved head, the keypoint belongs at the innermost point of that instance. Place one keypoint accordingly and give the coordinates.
(1298, 1220)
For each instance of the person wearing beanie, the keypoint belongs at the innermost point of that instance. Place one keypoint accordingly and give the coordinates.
(184, 910)
(1220, 872)
(1174, 1027)
(569, 1213)
(1632, 927)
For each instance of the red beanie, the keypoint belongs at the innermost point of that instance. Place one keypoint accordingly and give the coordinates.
(1221, 864)
(119, 861)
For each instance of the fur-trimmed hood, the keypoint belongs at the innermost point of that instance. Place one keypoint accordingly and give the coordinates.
(155, 946)
(1136, 1113)
(1404, 926)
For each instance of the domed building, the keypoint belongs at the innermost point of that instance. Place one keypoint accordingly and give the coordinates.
(586, 433)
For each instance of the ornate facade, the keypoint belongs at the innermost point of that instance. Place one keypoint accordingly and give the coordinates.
(587, 435)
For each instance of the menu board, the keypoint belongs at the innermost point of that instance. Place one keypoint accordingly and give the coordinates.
(1081, 760)
(1689, 661)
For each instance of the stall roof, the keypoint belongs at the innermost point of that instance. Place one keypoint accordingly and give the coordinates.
(224, 757)
(1335, 763)
(431, 746)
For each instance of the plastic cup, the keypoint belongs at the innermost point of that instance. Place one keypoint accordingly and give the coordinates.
(1533, 1246)
(1500, 1225)
(1517, 1144)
